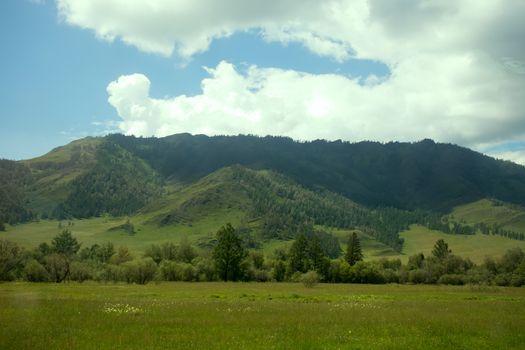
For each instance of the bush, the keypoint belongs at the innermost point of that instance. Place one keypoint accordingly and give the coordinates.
(140, 271)
(453, 279)
(110, 273)
(80, 271)
(205, 269)
(366, 272)
(173, 271)
(417, 276)
(58, 267)
(310, 279)
(279, 271)
(35, 272)
(10, 260)
(390, 276)
(503, 279)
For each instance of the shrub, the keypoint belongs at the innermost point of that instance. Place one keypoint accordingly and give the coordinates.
(503, 279)
(453, 279)
(140, 271)
(205, 269)
(110, 273)
(390, 276)
(365, 272)
(310, 279)
(279, 271)
(80, 271)
(417, 276)
(10, 260)
(35, 272)
(263, 275)
(58, 267)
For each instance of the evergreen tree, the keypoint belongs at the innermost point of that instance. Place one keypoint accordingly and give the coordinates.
(298, 255)
(441, 250)
(64, 243)
(306, 254)
(228, 254)
(353, 251)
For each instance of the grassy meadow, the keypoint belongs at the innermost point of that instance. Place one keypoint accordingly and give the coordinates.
(259, 316)
(98, 230)
(475, 247)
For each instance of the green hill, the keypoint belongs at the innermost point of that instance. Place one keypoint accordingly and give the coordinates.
(54, 172)
(271, 188)
(491, 212)
(421, 175)
(476, 247)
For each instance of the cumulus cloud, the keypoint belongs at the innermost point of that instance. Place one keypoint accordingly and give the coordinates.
(516, 156)
(307, 106)
(457, 68)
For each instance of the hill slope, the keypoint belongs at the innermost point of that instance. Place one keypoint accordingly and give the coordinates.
(404, 175)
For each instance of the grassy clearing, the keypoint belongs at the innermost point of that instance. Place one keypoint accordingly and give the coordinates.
(259, 316)
(476, 247)
(511, 217)
(95, 230)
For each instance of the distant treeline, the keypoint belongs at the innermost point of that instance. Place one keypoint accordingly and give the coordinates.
(309, 259)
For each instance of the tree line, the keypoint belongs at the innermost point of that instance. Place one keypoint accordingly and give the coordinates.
(64, 259)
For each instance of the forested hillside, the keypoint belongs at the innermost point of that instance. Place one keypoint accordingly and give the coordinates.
(404, 175)
(282, 187)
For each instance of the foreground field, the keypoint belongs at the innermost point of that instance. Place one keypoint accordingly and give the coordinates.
(259, 316)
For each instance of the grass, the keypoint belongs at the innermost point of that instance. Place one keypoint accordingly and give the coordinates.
(97, 230)
(259, 316)
(512, 217)
(476, 247)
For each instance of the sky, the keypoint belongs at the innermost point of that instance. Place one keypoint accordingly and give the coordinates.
(382, 70)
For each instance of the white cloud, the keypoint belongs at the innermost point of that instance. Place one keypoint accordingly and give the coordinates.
(457, 68)
(516, 156)
(308, 106)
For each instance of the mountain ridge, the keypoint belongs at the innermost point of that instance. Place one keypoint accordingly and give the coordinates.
(274, 182)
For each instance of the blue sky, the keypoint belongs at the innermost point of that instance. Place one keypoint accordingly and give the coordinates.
(281, 69)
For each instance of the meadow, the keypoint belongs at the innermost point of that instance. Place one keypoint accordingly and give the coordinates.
(259, 316)
(99, 230)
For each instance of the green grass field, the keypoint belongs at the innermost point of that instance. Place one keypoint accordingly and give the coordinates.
(511, 217)
(476, 247)
(96, 230)
(259, 316)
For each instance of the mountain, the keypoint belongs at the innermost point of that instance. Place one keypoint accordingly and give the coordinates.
(271, 187)
(424, 175)
(274, 207)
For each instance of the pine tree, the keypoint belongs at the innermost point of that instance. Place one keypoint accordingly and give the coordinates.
(64, 243)
(353, 251)
(441, 250)
(298, 260)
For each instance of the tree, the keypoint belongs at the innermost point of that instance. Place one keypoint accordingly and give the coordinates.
(441, 250)
(2, 226)
(298, 255)
(58, 267)
(10, 259)
(140, 271)
(228, 254)
(353, 250)
(64, 243)
(185, 251)
(121, 256)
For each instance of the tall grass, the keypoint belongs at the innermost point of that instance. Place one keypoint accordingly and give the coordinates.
(259, 316)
